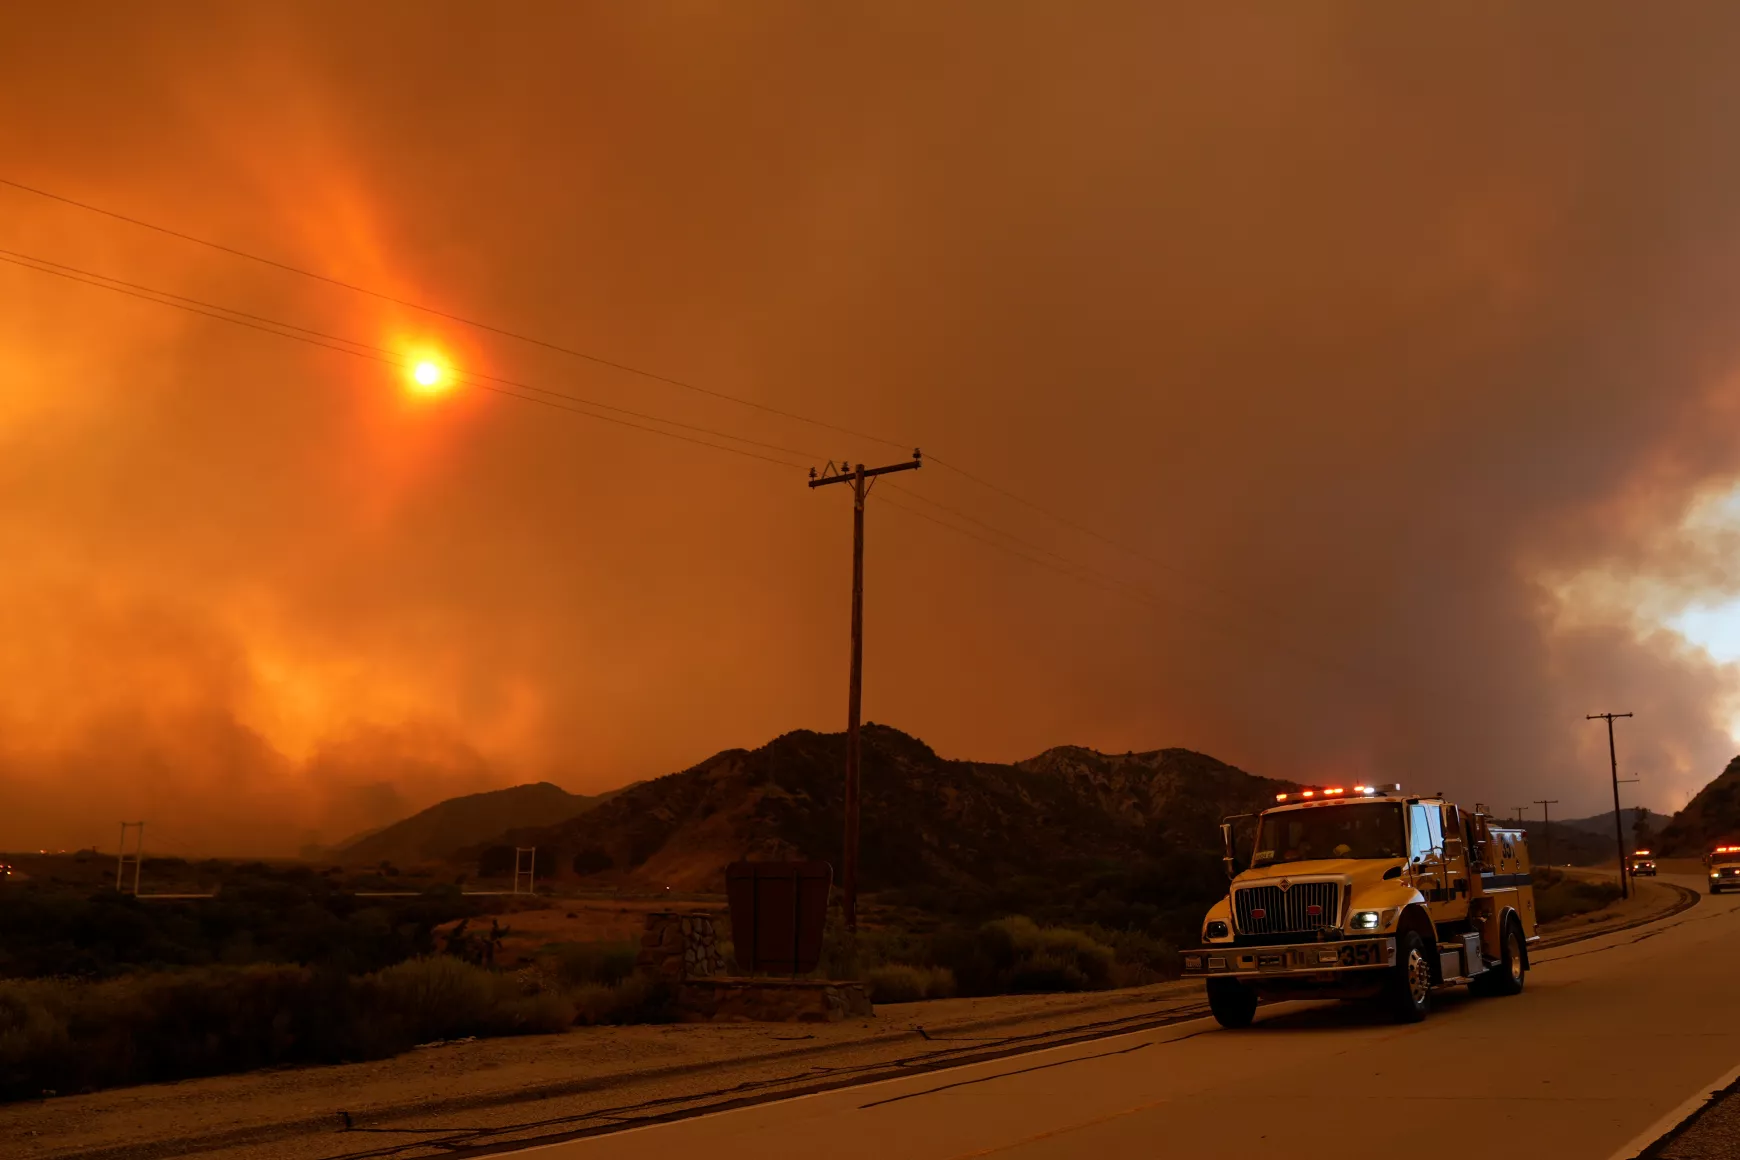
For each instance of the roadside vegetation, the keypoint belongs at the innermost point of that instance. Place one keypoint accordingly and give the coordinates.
(60, 1036)
(1560, 895)
(287, 965)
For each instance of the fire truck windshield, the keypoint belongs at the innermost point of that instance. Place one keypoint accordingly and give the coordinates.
(1353, 830)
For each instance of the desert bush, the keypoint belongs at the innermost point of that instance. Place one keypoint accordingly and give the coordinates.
(901, 983)
(635, 999)
(604, 963)
(439, 997)
(59, 1035)
(1139, 957)
(261, 915)
(1558, 895)
(1017, 954)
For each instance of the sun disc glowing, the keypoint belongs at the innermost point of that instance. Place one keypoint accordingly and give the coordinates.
(427, 374)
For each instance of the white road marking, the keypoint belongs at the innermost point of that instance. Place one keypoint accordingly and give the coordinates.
(1634, 1147)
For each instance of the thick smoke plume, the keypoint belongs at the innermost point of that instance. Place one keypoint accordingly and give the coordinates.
(1397, 348)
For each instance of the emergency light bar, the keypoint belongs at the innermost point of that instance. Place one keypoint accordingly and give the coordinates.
(1728, 849)
(1340, 791)
(1640, 853)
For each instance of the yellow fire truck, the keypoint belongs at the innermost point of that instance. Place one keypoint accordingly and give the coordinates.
(1641, 864)
(1724, 864)
(1366, 893)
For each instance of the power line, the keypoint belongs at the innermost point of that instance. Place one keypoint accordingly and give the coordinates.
(533, 340)
(1049, 514)
(1127, 589)
(559, 400)
(513, 389)
(358, 349)
(614, 364)
(474, 378)
(436, 312)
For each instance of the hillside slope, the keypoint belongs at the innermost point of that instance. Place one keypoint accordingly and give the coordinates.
(928, 823)
(457, 823)
(1712, 817)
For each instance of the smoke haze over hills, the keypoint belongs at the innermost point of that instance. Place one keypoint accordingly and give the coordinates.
(1399, 345)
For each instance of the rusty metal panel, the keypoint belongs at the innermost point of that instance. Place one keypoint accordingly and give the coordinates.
(778, 910)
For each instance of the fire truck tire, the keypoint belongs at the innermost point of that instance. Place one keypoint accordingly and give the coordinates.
(1506, 976)
(1234, 1004)
(1407, 992)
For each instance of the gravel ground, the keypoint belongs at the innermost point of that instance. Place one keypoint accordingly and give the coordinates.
(1713, 1135)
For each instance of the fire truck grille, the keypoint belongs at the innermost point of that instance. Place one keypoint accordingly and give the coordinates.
(1301, 909)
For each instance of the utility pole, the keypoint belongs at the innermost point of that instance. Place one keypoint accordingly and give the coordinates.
(1547, 822)
(135, 858)
(861, 479)
(1519, 813)
(1618, 821)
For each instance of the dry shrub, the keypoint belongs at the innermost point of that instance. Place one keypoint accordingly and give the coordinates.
(67, 1036)
(900, 983)
(606, 963)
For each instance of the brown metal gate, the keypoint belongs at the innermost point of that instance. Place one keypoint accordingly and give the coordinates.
(778, 910)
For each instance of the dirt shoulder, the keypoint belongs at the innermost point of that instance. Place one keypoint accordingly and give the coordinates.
(1650, 900)
(487, 1093)
(536, 1084)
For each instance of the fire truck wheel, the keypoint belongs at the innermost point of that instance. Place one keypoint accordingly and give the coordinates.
(1407, 992)
(1234, 1004)
(1506, 978)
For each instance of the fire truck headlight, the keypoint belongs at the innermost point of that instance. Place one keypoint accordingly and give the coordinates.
(1365, 920)
(1215, 929)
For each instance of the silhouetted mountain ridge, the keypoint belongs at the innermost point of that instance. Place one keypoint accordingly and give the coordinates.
(927, 821)
(457, 823)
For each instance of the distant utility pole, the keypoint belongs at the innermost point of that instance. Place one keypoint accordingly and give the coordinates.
(1547, 824)
(860, 478)
(135, 858)
(1519, 812)
(1618, 821)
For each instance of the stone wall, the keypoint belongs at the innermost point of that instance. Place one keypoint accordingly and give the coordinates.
(682, 949)
(677, 946)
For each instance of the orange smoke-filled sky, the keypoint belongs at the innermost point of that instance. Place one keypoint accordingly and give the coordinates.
(1396, 349)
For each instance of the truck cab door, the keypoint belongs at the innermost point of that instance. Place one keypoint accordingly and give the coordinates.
(1455, 868)
(1426, 853)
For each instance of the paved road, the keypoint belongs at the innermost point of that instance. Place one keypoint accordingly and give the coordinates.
(1613, 1041)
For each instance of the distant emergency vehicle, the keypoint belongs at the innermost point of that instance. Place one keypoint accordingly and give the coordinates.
(1367, 893)
(1641, 864)
(1724, 864)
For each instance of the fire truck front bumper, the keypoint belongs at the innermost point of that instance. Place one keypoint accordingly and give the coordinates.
(1295, 959)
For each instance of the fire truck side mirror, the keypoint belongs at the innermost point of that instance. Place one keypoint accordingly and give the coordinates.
(1226, 842)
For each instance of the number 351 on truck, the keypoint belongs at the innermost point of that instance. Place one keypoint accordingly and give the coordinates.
(1365, 892)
